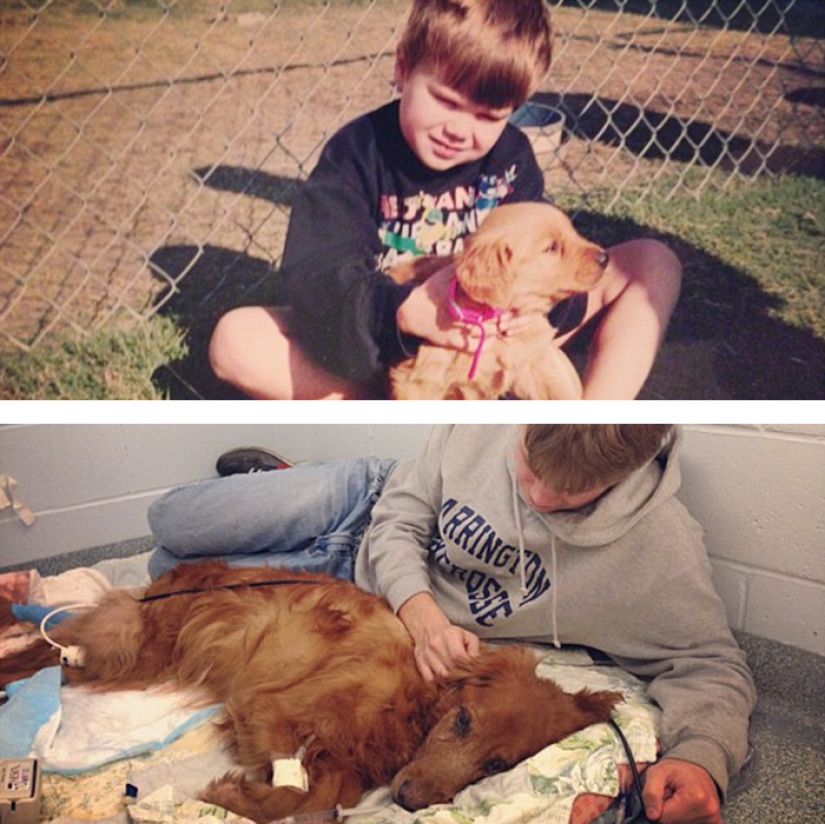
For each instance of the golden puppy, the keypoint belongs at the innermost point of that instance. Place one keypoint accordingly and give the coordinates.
(524, 257)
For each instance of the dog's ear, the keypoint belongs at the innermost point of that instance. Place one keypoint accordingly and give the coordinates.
(597, 706)
(511, 662)
(458, 679)
(484, 271)
(452, 688)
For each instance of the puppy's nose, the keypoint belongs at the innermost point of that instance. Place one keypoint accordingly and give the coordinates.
(602, 259)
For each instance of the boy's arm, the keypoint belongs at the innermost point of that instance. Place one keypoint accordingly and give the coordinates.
(706, 699)
(706, 695)
(393, 560)
(439, 645)
(676, 633)
(344, 306)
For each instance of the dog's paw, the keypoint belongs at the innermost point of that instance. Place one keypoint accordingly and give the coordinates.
(228, 792)
(256, 800)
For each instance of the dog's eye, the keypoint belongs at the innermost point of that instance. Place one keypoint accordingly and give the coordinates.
(462, 723)
(494, 765)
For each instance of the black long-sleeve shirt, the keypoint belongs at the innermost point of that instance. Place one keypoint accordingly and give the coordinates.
(368, 202)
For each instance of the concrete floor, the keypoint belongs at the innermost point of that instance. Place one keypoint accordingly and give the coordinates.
(786, 782)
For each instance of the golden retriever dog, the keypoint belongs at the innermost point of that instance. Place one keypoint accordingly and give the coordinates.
(524, 257)
(311, 665)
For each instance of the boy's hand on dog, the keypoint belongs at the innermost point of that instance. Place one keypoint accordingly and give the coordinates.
(512, 323)
(439, 646)
(679, 792)
(425, 313)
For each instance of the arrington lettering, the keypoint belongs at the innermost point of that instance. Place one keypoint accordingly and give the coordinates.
(489, 598)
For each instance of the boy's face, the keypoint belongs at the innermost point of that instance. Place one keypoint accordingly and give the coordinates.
(544, 498)
(442, 127)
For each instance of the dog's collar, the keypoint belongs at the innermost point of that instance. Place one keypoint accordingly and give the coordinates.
(473, 317)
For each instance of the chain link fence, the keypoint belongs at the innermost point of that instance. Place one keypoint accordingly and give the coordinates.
(139, 136)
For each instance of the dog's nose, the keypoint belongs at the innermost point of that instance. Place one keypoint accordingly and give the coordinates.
(602, 259)
(400, 797)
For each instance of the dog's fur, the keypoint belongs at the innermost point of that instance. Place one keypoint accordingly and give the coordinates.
(524, 257)
(315, 662)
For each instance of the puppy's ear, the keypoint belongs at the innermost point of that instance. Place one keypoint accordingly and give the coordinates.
(485, 272)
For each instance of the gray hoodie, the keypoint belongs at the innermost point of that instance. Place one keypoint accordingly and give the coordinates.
(627, 575)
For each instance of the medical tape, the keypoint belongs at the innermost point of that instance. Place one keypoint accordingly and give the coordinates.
(8, 498)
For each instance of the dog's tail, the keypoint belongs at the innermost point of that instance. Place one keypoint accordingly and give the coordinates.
(26, 652)
(100, 644)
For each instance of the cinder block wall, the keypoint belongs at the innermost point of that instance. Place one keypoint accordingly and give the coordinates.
(758, 491)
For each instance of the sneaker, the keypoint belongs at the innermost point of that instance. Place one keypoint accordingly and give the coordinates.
(249, 459)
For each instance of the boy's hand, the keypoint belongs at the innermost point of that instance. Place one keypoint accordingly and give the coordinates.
(679, 792)
(425, 313)
(439, 645)
(512, 324)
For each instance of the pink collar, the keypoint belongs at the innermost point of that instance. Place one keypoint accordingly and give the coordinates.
(476, 318)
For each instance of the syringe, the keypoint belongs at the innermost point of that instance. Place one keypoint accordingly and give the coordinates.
(336, 814)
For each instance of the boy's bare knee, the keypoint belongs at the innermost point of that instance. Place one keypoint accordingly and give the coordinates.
(653, 265)
(227, 346)
(666, 271)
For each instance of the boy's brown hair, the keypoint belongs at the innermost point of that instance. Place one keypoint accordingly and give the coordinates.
(493, 52)
(577, 457)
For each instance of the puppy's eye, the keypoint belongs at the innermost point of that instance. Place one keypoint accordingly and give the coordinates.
(494, 765)
(462, 723)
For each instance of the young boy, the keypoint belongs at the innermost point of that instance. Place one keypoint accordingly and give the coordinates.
(549, 533)
(415, 177)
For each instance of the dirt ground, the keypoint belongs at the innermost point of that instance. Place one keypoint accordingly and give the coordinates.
(148, 159)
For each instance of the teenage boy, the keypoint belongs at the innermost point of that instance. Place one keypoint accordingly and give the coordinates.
(571, 534)
(415, 177)
(565, 534)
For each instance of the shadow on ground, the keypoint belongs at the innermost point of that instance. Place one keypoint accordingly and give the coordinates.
(803, 18)
(208, 282)
(654, 135)
(726, 340)
(203, 283)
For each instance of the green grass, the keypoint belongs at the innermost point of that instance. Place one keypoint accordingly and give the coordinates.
(108, 365)
(776, 234)
(771, 231)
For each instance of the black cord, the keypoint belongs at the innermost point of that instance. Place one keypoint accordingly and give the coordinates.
(280, 582)
(627, 807)
(637, 781)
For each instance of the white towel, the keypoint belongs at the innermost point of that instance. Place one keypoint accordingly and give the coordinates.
(89, 728)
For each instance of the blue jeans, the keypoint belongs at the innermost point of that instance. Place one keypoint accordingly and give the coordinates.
(309, 517)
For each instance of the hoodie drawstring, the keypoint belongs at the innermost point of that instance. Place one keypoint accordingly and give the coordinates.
(554, 586)
(521, 560)
(523, 563)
